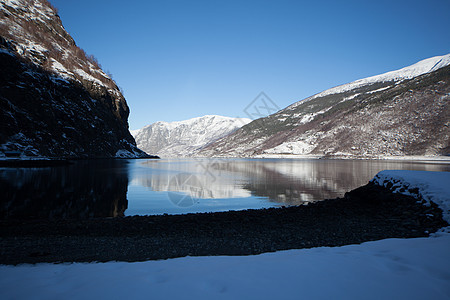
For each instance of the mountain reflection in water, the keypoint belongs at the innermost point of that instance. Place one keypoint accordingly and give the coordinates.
(111, 188)
(83, 189)
(280, 181)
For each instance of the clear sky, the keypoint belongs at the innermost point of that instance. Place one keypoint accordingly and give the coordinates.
(177, 60)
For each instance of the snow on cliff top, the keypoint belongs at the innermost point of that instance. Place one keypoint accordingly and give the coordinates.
(204, 119)
(422, 67)
(49, 41)
(429, 186)
(33, 10)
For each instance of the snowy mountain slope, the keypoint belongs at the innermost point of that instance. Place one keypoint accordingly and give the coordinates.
(185, 138)
(422, 67)
(55, 100)
(393, 114)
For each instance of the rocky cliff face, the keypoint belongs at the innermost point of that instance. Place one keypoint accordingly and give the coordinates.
(400, 113)
(55, 100)
(185, 138)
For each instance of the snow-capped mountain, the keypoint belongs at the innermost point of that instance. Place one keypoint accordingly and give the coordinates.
(185, 138)
(422, 67)
(403, 112)
(55, 100)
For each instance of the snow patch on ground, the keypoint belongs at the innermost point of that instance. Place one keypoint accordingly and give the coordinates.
(61, 70)
(426, 185)
(350, 97)
(306, 118)
(88, 77)
(297, 147)
(379, 90)
(34, 47)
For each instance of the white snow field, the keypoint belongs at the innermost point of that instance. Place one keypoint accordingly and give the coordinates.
(416, 268)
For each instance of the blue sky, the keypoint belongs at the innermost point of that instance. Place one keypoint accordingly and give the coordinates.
(177, 60)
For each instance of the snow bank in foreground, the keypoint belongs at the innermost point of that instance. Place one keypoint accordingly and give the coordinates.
(389, 269)
(429, 186)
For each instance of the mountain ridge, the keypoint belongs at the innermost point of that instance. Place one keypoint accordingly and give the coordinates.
(413, 119)
(185, 138)
(421, 67)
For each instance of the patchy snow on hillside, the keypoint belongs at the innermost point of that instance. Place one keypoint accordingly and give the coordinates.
(308, 117)
(28, 43)
(379, 90)
(33, 11)
(61, 70)
(88, 77)
(297, 147)
(350, 97)
(415, 268)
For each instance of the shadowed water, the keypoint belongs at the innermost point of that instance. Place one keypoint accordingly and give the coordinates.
(84, 189)
(111, 188)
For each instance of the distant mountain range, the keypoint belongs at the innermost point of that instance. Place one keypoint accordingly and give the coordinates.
(185, 138)
(400, 113)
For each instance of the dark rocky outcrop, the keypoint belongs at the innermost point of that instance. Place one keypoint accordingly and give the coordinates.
(55, 100)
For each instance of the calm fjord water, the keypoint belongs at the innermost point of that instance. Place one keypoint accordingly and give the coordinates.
(111, 188)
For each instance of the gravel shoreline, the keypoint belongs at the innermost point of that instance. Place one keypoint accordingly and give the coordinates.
(365, 214)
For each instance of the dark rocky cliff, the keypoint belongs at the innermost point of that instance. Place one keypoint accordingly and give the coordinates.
(55, 100)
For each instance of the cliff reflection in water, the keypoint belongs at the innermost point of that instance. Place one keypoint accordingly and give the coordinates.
(84, 189)
(289, 181)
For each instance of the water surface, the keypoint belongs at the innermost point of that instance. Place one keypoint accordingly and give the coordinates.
(111, 188)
